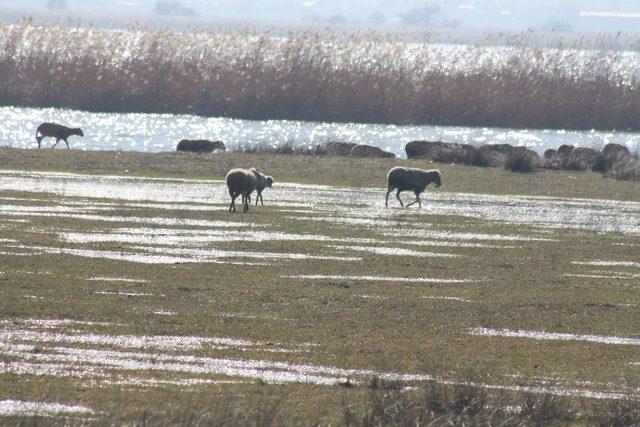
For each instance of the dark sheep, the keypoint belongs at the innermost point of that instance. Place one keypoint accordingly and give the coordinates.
(442, 152)
(338, 148)
(54, 130)
(581, 158)
(611, 154)
(411, 179)
(550, 153)
(363, 150)
(564, 151)
(262, 182)
(200, 146)
(241, 182)
(495, 154)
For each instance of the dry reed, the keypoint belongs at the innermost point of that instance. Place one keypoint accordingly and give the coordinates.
(319, 76)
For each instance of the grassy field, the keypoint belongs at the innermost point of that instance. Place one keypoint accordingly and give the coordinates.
(322, 280)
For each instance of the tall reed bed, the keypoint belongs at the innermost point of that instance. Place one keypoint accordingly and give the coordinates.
(319, 76)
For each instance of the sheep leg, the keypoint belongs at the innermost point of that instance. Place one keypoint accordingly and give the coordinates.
(398, 197)
(261, 200)
(66, 142)
(417, 200)
(246, 200)
(54, 145)
(386, 199)
(232, 207)
(39, 139)
(257, 199)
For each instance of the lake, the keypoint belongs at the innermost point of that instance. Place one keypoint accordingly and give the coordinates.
(161, 132)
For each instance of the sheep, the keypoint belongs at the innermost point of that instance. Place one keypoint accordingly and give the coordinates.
(262, 182)
(414, 179)
(241, 182)
(54, 130)
(200, 146)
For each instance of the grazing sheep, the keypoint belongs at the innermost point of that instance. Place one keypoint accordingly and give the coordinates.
(416, 180)
(262, 181)
(54, 130)
(241, 182)
(200, 146)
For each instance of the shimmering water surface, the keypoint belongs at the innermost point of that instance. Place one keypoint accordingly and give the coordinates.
(161, 132)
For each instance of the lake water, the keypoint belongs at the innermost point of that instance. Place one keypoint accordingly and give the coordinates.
(161, 132)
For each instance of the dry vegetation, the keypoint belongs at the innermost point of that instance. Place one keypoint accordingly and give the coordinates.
(320, 76)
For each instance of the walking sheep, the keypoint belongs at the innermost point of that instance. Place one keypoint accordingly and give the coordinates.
(54, 130)
(241, 182)
(262, 182)
(413, 179)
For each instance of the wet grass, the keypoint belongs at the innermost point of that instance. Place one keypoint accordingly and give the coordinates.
(399, 327)
(338, 171)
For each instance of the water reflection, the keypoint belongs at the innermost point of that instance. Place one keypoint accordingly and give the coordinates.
(161, 132)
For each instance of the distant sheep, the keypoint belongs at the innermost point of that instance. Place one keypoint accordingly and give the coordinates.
(411, 179)
(363, 150)
(339, 148)
(241, 182)
(54, 130)
(200, 146)
(262, 182)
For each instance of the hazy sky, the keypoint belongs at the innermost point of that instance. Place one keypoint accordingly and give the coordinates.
(559, 15)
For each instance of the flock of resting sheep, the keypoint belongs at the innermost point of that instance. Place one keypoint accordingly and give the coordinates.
(243, 182)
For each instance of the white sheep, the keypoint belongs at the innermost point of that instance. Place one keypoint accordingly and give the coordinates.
(413, 179)
(241, 182)
(262, 181)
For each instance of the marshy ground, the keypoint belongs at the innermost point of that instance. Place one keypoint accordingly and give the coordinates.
(128, 292)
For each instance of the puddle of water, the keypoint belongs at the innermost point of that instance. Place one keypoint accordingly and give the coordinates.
(254, 317)
(553, 336)
(433, 234)
(376, 278)
(447, 298)
(188, 382)
(173, 237)
(14, 333)
(165, 313)
(364, 296)
(608, 263)
(128, 294)
(165, 221)
(139, 257)
(393, 251)
(101, 363)
(212, 254)
(600, 276)
(543, 212)
(29, 409)
(454, 244)
(54, 323)
(116, 279)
